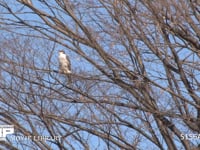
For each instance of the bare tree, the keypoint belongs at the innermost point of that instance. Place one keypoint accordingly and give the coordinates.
(135, 73)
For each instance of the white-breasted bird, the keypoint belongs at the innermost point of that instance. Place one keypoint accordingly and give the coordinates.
(64, 63)
(27, 2)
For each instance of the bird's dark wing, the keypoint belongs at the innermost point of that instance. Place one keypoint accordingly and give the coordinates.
(69, 66)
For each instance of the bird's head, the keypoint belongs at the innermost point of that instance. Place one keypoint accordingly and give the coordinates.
(61, 52)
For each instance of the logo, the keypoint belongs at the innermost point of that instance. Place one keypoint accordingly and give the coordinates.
(9, 129)
(190, 136)
(4, 130)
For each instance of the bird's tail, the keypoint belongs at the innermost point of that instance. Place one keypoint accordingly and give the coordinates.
(69, 78)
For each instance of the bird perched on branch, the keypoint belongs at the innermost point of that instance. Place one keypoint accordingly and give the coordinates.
(26, 2)
(64, 64)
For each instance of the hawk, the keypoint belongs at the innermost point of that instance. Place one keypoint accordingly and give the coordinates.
(27, 2)
(64, 63)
